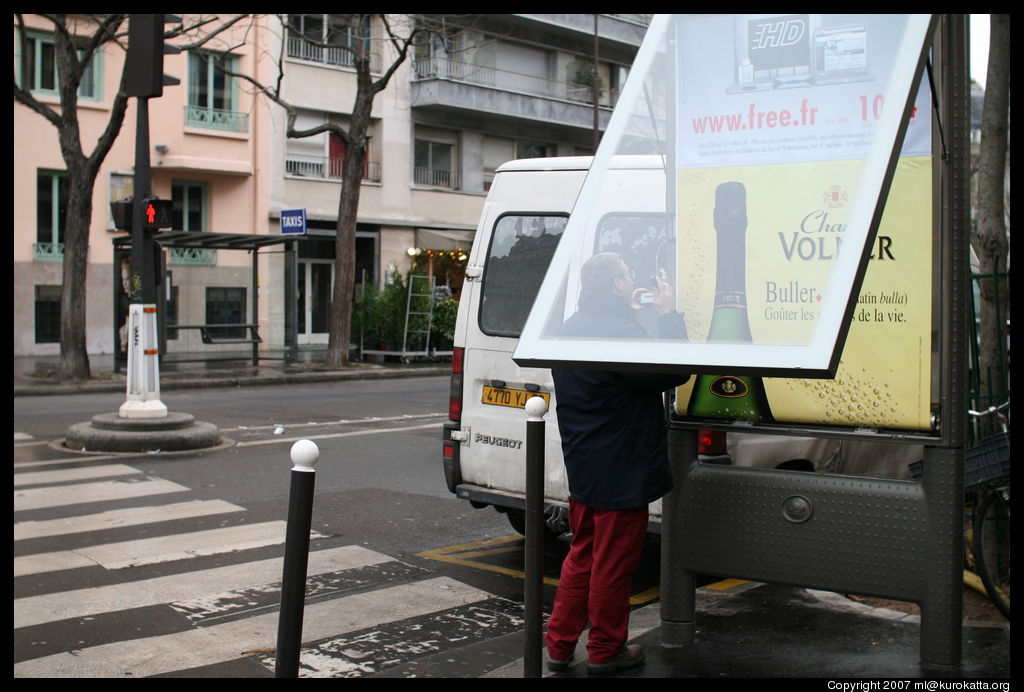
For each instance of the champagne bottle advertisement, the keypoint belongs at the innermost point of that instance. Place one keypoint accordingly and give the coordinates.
(769, 161)
(884, 374)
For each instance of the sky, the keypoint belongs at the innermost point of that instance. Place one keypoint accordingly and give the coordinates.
(979, 47)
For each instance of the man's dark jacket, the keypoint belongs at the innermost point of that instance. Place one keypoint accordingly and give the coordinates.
(612, 423)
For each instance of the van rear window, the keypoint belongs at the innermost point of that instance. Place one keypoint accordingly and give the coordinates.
(520, 251)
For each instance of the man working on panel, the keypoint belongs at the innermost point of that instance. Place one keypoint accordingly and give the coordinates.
(613, 441)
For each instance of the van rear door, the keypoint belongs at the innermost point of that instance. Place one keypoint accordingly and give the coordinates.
(527, 211)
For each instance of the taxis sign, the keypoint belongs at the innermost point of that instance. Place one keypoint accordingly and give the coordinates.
(293, 221)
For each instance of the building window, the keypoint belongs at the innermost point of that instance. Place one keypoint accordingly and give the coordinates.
(433, 163)
(212, 101)
(48, 314)
(40, 68)
(51, 215)
(322, 155)
(331, 39)
(189, 213)
(225, 305)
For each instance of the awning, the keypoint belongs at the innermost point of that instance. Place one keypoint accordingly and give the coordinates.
(434, 239)
(211, 241)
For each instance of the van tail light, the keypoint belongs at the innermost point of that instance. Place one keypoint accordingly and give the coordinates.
(455, 393)
(711, 442)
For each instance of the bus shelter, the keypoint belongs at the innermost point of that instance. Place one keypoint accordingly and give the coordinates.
(244, 333)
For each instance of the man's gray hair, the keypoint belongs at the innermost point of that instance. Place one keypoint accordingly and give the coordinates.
(598, 272)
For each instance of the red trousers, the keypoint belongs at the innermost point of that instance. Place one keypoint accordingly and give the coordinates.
(595, 582)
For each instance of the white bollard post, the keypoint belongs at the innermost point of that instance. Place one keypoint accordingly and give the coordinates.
(296, 559)
(143, 397)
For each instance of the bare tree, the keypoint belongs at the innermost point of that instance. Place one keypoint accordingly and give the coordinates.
(990, 237)
(77, 40)
(400, 33)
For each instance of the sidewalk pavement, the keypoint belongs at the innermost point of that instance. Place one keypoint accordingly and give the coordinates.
(762, 631)
(33, 376)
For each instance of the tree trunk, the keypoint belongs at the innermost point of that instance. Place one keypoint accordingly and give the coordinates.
(345, 240)
(990, 241)
(74, 356)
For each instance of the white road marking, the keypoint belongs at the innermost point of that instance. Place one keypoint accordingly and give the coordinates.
(150, 551)
(36, 610)
(326, 436)
(205, 646)
(101, 491)
(76, 474)
(119, 518)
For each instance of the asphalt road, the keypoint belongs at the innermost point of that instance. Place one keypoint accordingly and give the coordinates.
(107, 546)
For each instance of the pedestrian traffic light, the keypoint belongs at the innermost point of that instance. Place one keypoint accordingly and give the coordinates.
(146, 50)
(156, 213)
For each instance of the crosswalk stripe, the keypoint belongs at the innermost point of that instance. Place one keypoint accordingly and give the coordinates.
(76, 474)
(101, 491)
(210, 645)
(148, 551)
(37, 610)
(120, 518)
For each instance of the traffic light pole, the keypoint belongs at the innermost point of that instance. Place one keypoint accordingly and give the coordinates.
(143, 395)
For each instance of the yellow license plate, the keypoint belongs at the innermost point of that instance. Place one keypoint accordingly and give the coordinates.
(515, 398)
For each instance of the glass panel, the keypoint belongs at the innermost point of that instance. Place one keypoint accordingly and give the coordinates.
(766, 138)
(47, 314)
(300, 299)
(225, 305)
(198, 85)
(221, 84)
(320, 280)
(48, 66)
(521, 248)
(44, 208)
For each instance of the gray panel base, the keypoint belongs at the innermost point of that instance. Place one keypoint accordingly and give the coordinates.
(870, 536)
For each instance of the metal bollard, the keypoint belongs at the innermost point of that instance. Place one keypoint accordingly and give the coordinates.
(296, 559)
(533, 596)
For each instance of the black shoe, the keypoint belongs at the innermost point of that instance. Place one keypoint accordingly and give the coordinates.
(629, 657)
(556, 666)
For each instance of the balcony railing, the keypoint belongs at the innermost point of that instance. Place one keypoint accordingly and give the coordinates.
(49, 252)
(326, 167)
(216, 119)
(329, 55)
(436, 177)
(505, 80)
(191, 256)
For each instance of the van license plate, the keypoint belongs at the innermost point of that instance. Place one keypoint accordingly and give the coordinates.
(515, 398)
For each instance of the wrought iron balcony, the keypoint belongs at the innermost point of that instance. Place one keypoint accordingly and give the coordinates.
(49, 252)
(436, 177)
(335, 56)
(216, 119)
(326, 167)
(505, 80)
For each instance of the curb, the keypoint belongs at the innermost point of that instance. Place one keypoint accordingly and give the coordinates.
(373, 373)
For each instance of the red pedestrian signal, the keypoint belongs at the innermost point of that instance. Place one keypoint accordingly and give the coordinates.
(157, 213)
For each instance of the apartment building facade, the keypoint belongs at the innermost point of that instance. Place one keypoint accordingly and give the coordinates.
(481, 90)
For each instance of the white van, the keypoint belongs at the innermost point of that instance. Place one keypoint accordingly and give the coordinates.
(523, 218)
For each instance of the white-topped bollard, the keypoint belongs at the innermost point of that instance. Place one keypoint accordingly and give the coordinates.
(304, 455)
(533, 583)
(143, 381)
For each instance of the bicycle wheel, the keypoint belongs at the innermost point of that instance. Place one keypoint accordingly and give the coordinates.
(992, 548)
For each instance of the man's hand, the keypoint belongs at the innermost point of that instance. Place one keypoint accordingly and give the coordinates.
(664, 296)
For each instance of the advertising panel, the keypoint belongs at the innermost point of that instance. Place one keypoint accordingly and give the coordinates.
(725, 223)
(762, 231)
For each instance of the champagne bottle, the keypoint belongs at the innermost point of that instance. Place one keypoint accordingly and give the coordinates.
(730, 396)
